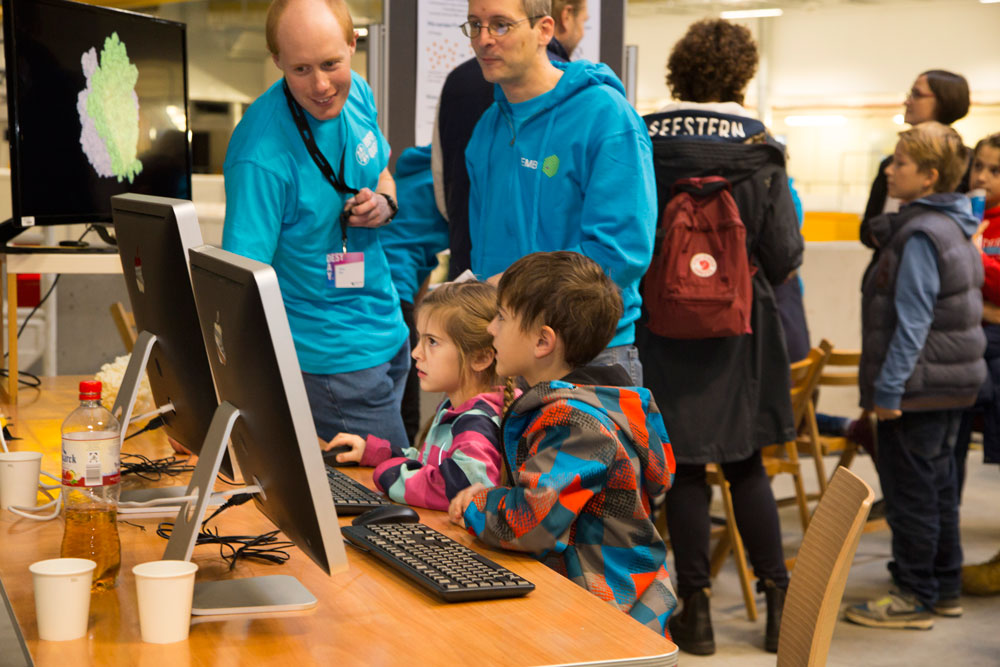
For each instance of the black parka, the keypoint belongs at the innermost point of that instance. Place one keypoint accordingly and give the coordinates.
(724, 398)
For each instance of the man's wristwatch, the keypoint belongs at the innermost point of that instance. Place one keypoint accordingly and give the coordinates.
(393, 206)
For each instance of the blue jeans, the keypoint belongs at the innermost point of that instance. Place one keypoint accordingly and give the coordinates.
(916, 465)
(361, 402)
(626, 356)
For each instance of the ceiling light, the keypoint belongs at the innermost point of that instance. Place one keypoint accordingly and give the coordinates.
(988, 2)
(755, 13)
(898, 119)
(815, 121)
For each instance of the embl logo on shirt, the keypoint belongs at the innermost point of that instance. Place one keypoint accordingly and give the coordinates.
(530, 164)
(367, 149)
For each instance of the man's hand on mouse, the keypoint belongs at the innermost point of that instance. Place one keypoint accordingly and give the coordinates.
(456, 509)
(355, 442)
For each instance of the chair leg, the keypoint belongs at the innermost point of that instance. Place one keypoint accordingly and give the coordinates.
(739, 554)
(794, 467)
(817, 450)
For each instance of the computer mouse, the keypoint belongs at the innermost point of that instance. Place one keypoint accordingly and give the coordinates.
(387, 514)
(330, 456)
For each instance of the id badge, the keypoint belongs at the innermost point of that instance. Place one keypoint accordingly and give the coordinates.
(345, 269)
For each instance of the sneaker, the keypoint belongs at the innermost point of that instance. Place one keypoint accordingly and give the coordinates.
(982, 579)
(951, 606)
(895, 610)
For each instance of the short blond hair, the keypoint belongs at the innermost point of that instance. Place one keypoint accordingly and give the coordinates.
(277, 8)
(933, 145)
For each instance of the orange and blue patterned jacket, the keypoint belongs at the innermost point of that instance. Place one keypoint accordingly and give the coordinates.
(590, 463)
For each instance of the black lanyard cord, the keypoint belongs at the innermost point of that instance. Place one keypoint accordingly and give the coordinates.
(336, 180)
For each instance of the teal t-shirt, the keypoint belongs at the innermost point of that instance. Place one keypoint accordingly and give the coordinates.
(282, 211)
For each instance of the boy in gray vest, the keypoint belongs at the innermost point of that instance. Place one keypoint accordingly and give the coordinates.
(921, 364)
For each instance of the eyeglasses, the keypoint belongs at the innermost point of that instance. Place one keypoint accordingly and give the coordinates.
(496, 27)
(914, 94)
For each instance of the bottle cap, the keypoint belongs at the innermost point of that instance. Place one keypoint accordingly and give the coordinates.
(90, 390)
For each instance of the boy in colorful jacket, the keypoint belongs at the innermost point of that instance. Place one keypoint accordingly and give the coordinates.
(586, 456)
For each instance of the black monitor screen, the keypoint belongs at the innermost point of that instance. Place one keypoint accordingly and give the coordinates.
(97, 106)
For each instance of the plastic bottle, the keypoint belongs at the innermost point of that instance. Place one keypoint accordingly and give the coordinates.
(90, 486)
(978, 199)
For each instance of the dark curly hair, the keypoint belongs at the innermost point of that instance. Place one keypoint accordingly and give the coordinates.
(713, 62)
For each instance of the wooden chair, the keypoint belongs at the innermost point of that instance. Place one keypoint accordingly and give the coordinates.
(812, 603)
(776, 459)
(125, 322)
(841, 370)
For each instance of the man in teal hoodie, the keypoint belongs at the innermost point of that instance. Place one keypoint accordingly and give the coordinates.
(561, 161)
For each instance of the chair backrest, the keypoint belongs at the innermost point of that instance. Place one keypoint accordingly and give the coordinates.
(805, 376)
(841, 369)
(812, 604)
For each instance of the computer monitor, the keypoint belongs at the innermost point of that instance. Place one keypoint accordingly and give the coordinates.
(154, 236)
(96, 106)
(264, 411)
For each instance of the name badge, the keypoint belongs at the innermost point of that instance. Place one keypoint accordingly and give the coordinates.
(345, 269)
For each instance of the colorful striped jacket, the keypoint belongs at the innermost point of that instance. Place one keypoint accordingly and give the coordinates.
(462, 447)
(591, 464)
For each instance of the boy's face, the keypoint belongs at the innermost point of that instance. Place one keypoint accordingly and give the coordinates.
(906, 182)
(514, 345)
(986, 174)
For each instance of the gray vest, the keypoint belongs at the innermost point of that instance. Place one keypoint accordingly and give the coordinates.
(950, 367)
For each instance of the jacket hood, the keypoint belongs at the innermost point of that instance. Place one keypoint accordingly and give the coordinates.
(956, 206)
(577, 76)
(413, 160)
(606, 390)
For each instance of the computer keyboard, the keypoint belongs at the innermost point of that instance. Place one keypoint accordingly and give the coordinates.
(436, 562)
(350, 496)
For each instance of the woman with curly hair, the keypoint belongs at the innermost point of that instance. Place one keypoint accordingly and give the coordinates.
(723, 399)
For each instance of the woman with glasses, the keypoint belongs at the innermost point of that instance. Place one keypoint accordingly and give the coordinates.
(935, 95)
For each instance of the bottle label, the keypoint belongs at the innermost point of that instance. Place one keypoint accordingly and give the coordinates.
(90, 458)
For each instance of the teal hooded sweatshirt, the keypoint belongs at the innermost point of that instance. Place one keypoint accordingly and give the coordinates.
(571, 169)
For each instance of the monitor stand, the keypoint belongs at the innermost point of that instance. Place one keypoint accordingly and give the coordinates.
(231, 596)
(122, 410)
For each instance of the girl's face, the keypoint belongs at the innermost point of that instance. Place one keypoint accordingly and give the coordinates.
(986, 174)
(920, 104)
(437, 357)
(906, 182)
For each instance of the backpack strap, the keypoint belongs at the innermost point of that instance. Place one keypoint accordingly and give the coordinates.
(701, 187)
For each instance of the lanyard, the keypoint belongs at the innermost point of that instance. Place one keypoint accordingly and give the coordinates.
(336, 180)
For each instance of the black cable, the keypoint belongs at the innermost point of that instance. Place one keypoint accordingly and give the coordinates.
(151, 425)
(265, 547)
(154, 469)
(35, 381)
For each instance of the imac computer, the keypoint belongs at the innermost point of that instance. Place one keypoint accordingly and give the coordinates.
(154, 236)
(264, 411)
(96, 105)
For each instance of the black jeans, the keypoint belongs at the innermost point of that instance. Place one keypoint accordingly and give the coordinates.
(756, 516)
(917, 471)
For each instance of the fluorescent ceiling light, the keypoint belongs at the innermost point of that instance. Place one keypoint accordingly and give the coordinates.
(362, 32)
(815, 121)
(755, 13)
(988, 2)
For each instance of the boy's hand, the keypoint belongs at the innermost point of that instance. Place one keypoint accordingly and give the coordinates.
(885, 414)
(461, 501)
(355, 442)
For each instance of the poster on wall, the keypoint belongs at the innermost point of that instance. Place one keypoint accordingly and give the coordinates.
(441, 46)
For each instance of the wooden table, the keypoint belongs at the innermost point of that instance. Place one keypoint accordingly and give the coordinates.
(367, 615)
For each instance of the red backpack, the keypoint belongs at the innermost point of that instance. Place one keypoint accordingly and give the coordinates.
(699, 282)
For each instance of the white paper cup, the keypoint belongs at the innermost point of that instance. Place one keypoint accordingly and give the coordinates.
(62, 597)
(19, 478)
(165, 589)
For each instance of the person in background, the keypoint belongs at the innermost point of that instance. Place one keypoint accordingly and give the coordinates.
(921, 365)
(317, 226)
(561, 161)
(725, 398)
(464, 97)
(936, 95)
(411, 243)
(984, 578)
(461, 446)
(586, 455)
